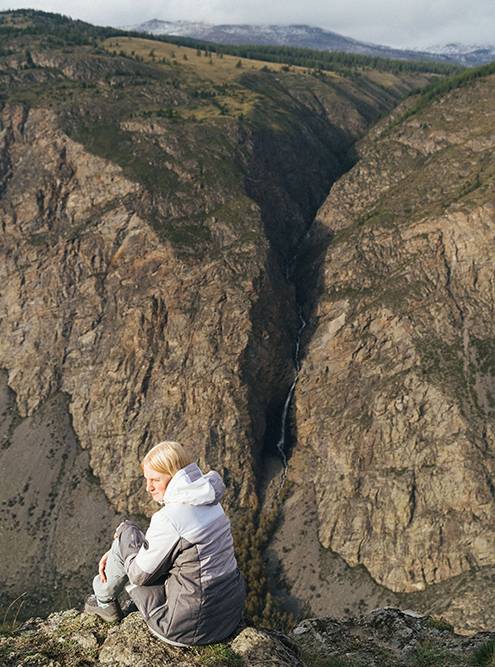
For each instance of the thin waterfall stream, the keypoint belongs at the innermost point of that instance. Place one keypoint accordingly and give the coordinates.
(281, 443)
(282, 439)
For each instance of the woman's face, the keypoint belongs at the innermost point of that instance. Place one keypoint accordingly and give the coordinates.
(156, 482)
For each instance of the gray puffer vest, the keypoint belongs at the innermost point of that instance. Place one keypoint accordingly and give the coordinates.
(183, 573)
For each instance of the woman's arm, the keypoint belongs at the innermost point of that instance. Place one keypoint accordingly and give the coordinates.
(147, 557)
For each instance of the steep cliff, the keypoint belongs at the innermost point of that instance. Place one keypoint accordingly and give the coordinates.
(147, 213)
(394, 406)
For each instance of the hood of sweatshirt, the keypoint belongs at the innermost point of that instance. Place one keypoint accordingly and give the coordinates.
(191, 487)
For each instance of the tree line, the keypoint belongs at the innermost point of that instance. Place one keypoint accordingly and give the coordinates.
(444, 86)
(67, 31)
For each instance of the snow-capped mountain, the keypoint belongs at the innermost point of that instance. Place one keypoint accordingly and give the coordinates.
(177, 28)
(277, 35)
(309, 37)
(465, 54)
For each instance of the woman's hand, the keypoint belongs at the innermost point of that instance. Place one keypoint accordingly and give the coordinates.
(101, 568)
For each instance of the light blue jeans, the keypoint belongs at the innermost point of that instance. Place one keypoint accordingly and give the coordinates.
(116, 577)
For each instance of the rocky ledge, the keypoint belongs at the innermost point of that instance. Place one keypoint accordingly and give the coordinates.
(383, 638)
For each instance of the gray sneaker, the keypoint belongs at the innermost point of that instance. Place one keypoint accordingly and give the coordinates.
(111, 613)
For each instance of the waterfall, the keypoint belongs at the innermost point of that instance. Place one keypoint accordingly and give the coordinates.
(285, 413)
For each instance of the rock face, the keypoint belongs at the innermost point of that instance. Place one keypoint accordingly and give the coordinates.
(54, 516)
(384, 638)
(395, 403)
(98, 307)
(144, 238)
(96, 304)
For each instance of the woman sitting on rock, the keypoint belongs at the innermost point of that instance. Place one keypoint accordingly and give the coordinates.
(182, 574)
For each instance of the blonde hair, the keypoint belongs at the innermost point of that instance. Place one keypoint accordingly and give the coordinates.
(167, 457)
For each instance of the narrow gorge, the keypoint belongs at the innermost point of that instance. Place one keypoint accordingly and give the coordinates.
(201, 251)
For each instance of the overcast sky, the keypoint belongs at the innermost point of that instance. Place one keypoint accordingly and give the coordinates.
(400, 23)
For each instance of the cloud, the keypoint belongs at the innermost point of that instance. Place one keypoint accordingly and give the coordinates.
(392, 22)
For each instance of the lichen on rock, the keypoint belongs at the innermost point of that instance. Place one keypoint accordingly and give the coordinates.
(384, 638)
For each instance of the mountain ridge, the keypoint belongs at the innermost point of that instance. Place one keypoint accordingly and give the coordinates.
(305, 36)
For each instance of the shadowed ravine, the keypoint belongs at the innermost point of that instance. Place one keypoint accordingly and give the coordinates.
(158, 276)
(269, 161)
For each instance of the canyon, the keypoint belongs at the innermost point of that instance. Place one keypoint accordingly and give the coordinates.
(165, 222)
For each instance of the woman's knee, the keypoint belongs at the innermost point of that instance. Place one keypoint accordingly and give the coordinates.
(115, 550)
